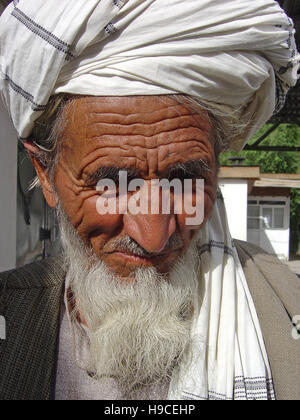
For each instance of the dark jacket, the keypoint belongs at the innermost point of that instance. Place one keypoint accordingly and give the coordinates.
(30, 299)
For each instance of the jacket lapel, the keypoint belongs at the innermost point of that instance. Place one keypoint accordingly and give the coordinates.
(30, 299)
(276, 295)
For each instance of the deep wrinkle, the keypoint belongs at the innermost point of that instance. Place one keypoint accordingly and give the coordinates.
(150, 150)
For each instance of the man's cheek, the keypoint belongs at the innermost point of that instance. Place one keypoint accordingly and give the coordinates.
(94, 223)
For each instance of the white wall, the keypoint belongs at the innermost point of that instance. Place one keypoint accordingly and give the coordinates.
(235, 193)
(8, 191)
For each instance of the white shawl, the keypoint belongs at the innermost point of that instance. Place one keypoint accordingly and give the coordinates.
(228, 360)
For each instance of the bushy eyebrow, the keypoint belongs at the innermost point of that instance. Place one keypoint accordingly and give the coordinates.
(193, 168)
(111, 172)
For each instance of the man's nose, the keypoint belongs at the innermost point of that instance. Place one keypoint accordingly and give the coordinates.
(151, 231)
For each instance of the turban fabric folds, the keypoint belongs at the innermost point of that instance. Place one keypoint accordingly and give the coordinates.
(238, 53)
(230, 52)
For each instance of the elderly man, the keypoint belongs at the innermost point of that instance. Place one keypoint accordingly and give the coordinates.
(145, 305)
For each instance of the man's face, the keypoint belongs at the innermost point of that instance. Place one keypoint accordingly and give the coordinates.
(149, 137)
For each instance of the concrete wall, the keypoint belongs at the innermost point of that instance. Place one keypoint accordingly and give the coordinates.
(235, 193)
(8, 191)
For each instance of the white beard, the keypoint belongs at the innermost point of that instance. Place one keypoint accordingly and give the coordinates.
(138, 331)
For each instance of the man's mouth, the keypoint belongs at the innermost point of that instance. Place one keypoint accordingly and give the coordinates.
(143, 259)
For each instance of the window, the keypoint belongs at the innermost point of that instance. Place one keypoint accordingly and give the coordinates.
(273, 217)
(272, 203)
(278, 218)
(266, 215)
(253, 217)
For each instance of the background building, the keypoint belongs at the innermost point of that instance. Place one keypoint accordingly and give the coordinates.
(258, 206)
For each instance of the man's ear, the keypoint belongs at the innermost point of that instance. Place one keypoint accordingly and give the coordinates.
(48, 191)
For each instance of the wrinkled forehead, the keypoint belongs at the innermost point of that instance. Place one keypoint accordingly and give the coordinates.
(148, 133)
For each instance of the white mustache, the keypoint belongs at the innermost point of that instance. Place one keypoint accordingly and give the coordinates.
(128, 244)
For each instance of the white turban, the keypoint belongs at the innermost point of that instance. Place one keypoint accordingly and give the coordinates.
(230, 52)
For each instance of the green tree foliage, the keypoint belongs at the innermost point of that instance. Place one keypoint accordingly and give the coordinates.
(272, 162)
(277, 162)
